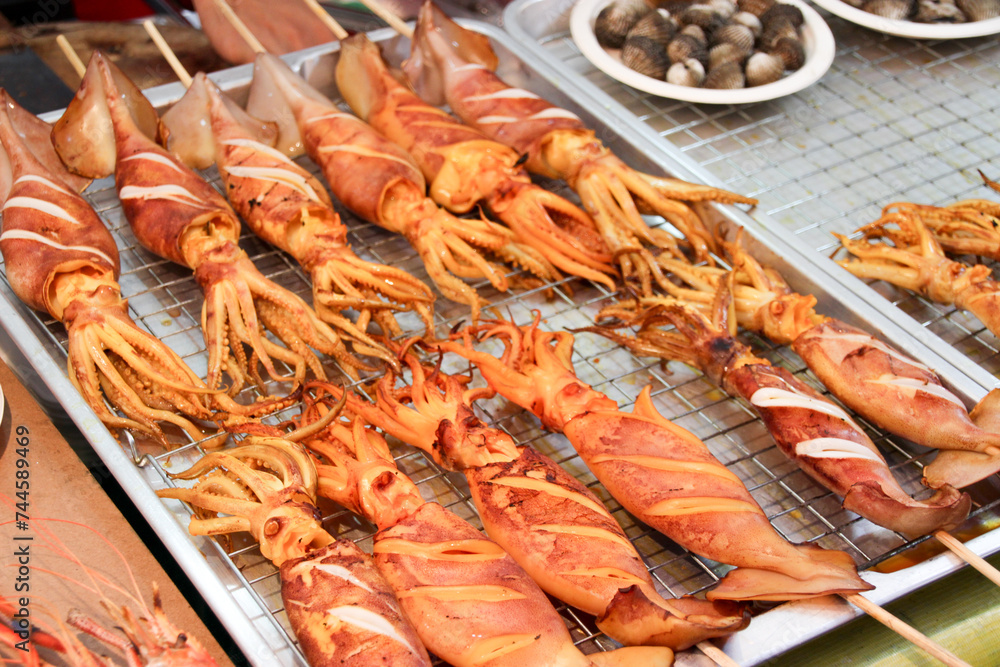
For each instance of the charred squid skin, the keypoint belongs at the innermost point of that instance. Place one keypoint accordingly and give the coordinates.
(344, 612)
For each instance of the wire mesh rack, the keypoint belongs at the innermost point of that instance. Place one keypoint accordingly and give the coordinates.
(894, 119)
(165, 299)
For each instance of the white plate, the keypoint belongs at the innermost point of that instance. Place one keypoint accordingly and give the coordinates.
(817, 41)
(910, 28)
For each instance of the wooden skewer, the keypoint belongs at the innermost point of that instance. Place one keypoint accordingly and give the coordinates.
(71, 56)
(904, 630)
(716, 654)
(969, 556)
(240, 27)
(327, 20)
(387, 15)
(168, 53)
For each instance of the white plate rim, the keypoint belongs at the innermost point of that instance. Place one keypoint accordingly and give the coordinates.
(816, 35)
(910, 29)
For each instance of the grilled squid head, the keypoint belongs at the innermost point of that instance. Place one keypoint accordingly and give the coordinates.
(267, 487)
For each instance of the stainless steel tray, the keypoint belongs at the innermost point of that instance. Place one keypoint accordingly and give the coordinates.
(241, 586)
(894, 119)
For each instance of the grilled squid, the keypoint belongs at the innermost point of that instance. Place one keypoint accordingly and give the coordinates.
(659, 472)
(464, 167)
(341, 610)
(453, 65)
(175, 214)
(815, 433)
(289, 208)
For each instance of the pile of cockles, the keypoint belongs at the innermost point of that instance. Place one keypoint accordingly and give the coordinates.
(931, 11)
(717, 44)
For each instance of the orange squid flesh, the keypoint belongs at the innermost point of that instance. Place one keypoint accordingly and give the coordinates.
(289, 208)
(883, 385)
(549, 522)
(464, 167)
(471, 603)
(453, 65)
(60, 259)
(379, 182)
(659, 472)
(341, 609)
(815, 433)
(177, 215)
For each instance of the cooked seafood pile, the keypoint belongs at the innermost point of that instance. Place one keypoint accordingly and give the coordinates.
(931, 11)
(719, 44)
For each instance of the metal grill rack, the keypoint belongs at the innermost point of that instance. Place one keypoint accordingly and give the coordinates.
(165, 299)
(894, 119)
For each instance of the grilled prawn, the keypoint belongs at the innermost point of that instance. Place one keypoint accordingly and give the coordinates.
(453, 65)
(464, 167)
(379, 181)
(550, 523)
(289, 208)
(178, 216)
(659, 472)
(809, 429)
(340, 608)
(891, 390)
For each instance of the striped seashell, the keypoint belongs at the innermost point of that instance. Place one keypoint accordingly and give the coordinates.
(896, 10)
(703, 16)
(755, 7)
(750, 21)
(980, 10)
(645, 56)
(939, 11)
(738, 35)
(614, 21)
(688, 73)
(779, 11)
(764, 68)
(790, 51)
(683, 47)
(655, 25)
(725, 8)
(776, 30)
(725, 53)
(695, 32)
(726, 76)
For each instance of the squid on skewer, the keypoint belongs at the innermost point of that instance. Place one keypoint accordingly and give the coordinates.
(178, 216)
(379, 182)
(341, 609)
(812, 431)
(59, 258)
(659, 472)
(287, 207)
(471, 603)
(453, 65)
(464, 167)
(896, 393)
(549, 522)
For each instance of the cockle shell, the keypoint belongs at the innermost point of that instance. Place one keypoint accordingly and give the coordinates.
(738, 35)
(790, 51)
(727, 76)
(764, 68)
(939, 11)
(614, 21)
(725, 53)
(779, 12)
(696, 32)
(896, 10)
(655, 25)
(980, 10)
(776, 30)
(683, 47)
(703, 16)
(688, 73)
(750, 21)
(645, 56)
(725, 8)
(755, 7)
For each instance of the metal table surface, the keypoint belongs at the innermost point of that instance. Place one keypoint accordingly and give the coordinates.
(894, 119)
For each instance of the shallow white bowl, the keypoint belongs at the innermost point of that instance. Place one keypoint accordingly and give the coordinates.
(817, 41)
(910, 28)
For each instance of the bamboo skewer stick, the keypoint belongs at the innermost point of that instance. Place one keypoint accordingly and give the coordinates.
(240, 27)
(904, 630)
(969, 556)
(387, 15)
(715, 653)
(71, 56)
(168, 53)
(327, 20)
